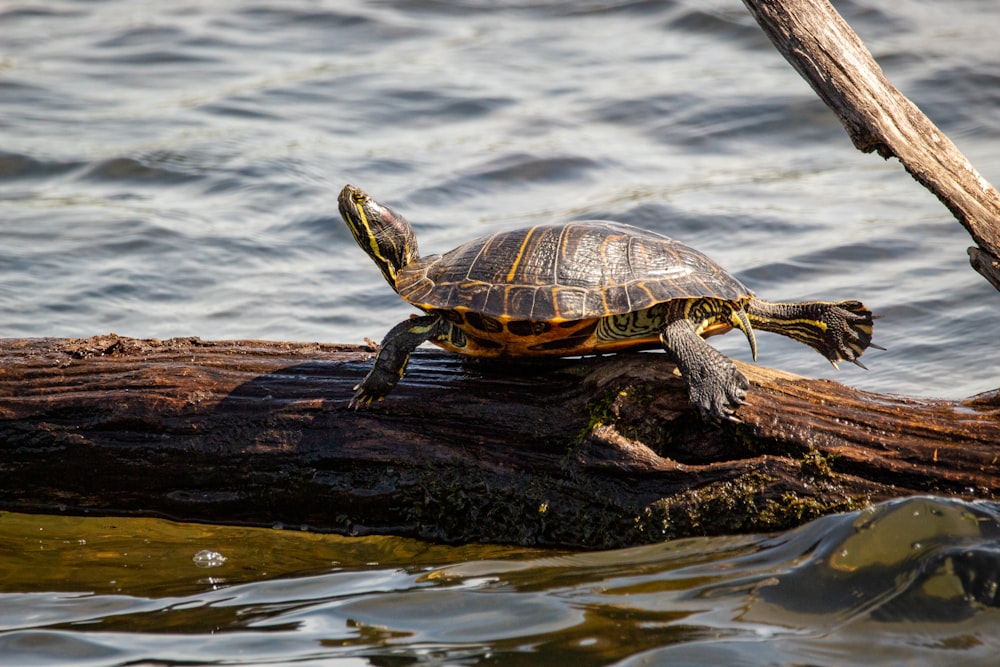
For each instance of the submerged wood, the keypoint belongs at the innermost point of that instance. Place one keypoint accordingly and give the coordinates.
(598, 452)
(821, 46)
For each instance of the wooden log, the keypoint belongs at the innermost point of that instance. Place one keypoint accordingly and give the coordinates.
(598, 452)
(819, 44)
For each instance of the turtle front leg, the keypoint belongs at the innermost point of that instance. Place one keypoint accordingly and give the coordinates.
(715, 387)
(393, 355)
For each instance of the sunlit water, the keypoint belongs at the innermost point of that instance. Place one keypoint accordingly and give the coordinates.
(171, 169)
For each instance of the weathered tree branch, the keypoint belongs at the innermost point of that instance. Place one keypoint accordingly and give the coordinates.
(829, 55)
(594, 452)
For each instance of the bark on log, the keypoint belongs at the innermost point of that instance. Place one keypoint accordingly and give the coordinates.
(597, 452)
(829, 55)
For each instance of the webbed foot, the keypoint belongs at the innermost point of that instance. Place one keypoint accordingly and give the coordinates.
(715, 387)
(370, 390)
(721, 394)
(848, 332)
(392, 357)
(840, 331)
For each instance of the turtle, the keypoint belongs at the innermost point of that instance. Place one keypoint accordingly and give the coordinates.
(582, 288)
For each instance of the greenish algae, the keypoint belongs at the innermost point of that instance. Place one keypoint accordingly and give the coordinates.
(741, 505)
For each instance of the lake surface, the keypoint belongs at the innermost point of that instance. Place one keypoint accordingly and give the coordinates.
(912, 582)
(172, 169)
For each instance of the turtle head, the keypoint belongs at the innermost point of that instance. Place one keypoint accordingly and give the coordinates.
(381, 232)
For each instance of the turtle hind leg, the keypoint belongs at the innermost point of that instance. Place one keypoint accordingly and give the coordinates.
(716, 388)
(840, 331)
(393, 355)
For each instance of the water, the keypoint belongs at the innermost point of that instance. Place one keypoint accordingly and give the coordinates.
(908, 582)
(171, 169)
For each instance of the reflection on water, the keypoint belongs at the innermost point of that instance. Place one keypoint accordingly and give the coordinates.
(915, 581)
(145, 556)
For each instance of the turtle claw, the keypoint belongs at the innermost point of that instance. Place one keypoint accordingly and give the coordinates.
(732, 418)
(720, 395)
(358, 401)
(728, 412)
(364, 395)
(848, 332)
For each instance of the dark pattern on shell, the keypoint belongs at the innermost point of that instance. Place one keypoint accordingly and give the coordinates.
(565, 272)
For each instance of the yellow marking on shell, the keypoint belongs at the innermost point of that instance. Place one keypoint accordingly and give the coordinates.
(645, 289)
(556, 317)
(608, 240)
(520, 254)
(483, 250)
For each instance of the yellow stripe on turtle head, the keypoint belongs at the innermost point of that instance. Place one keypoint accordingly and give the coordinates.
(382, 233)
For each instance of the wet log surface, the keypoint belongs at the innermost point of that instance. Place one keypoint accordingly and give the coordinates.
(596, 452)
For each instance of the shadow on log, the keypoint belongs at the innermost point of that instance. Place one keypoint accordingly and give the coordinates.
(599, 452)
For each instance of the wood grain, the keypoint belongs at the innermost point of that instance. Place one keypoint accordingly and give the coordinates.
(595, 452)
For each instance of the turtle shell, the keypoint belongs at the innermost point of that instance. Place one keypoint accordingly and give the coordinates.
(559, 273)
